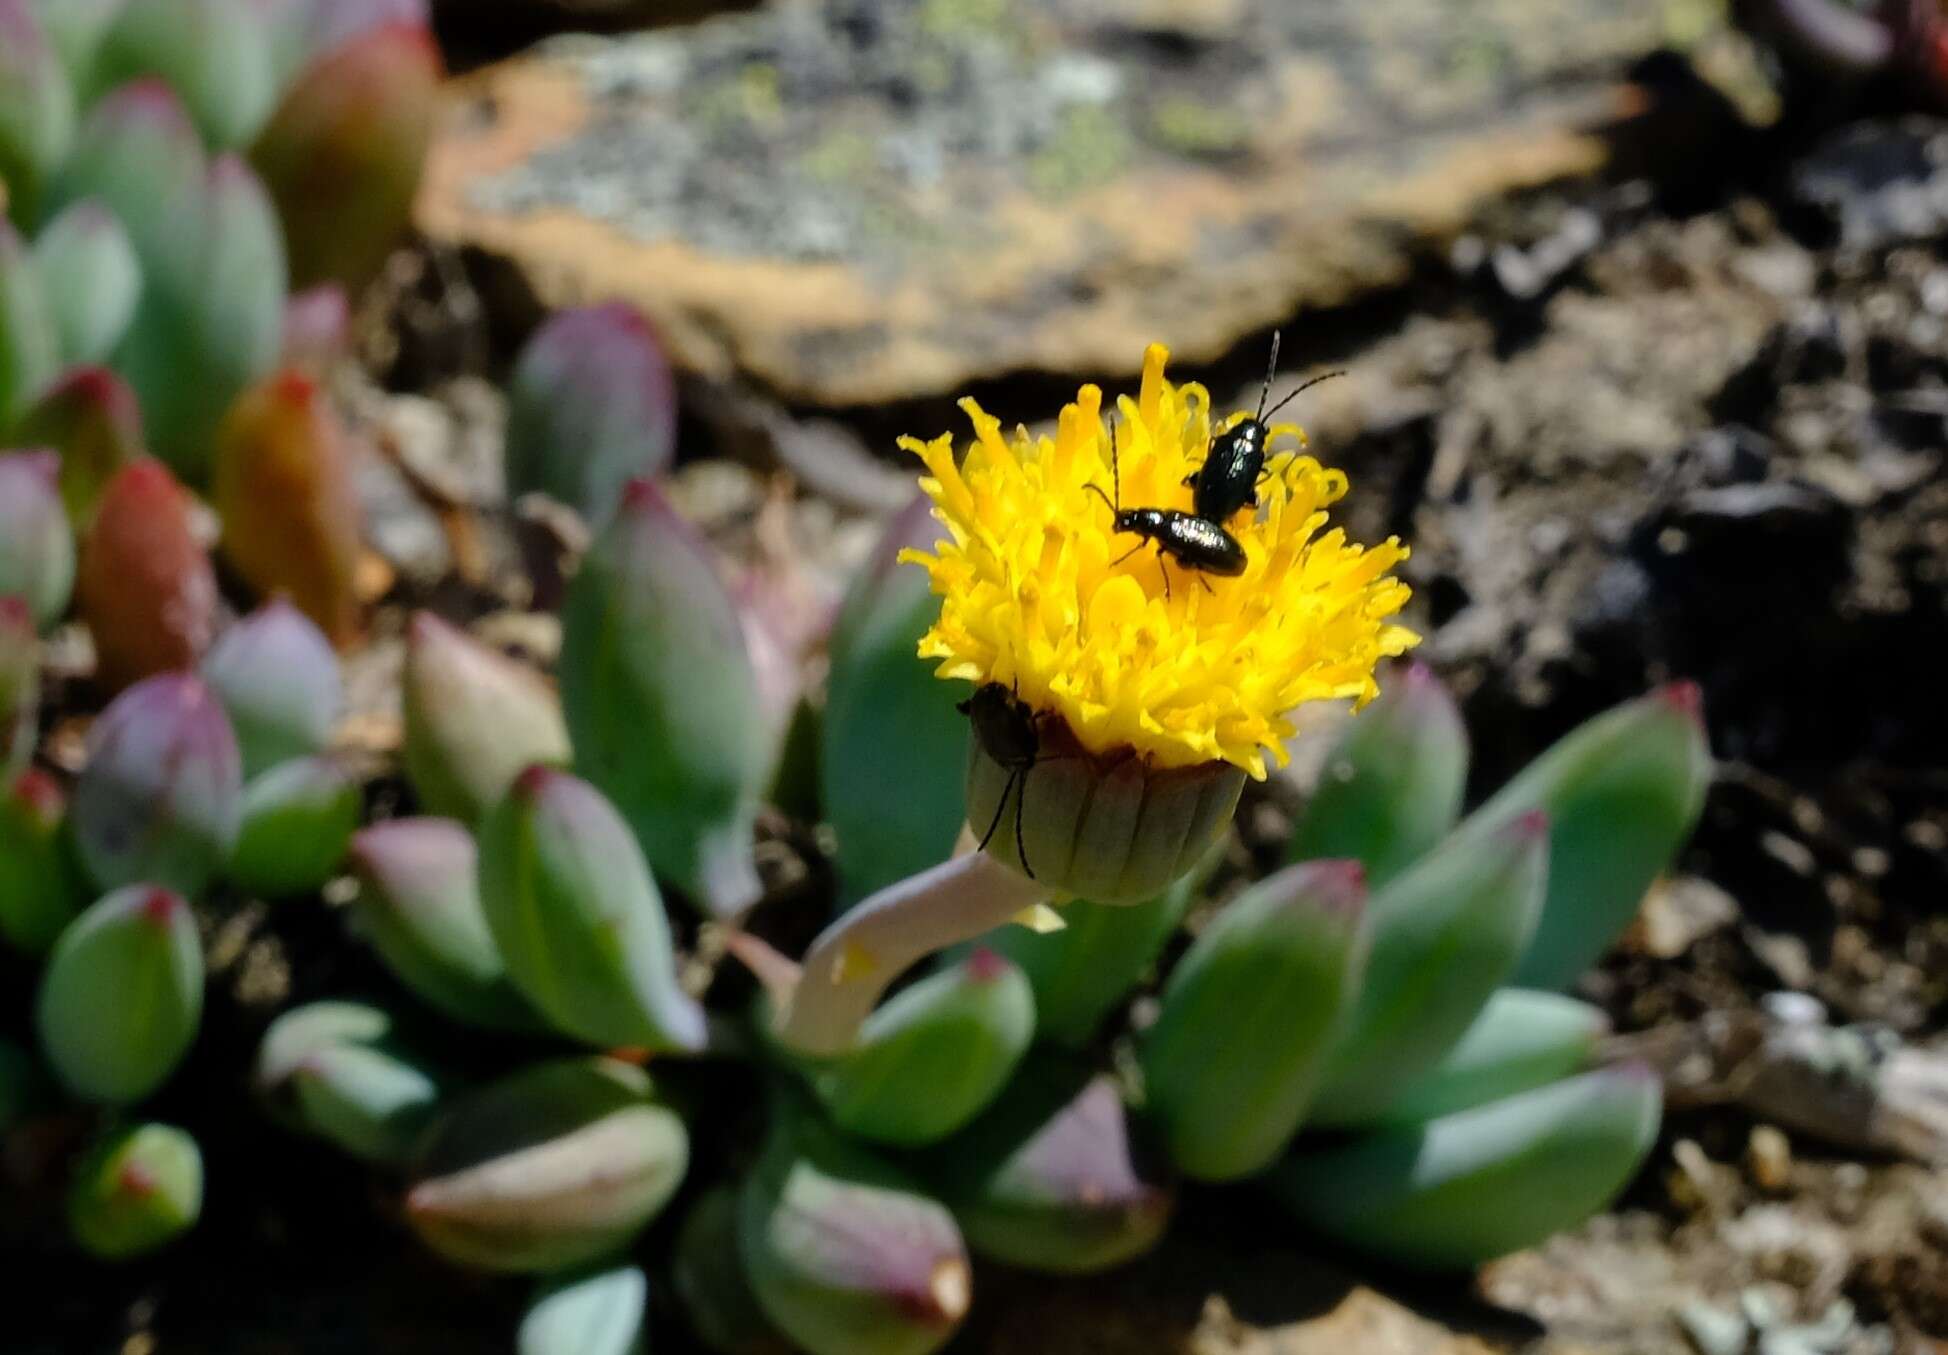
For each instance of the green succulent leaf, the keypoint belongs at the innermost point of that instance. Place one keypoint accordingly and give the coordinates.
(91, 279)
(215, 53)
(30, 344)
(298, 818)
(40, 885)
(1522, 1040)
(708, 1276)
(338, 1072)
(37, 104)
(140, 1188)
(596, 1312)
(278, 678)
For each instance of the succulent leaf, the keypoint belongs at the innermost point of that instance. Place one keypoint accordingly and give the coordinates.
(1391, 787)
(336, 1071)
(1248, 1017)
(122, 995)
(1522, 1040)
(37, 105)
(30, 343)
(91, 420)
(708, 1275)
(550, 1168)
(1445, 936)
(140, 1188)
(160, 800)
(419, 905)
(1479, 1183)
(36, 544)
(215, 53)
(144, 584)
(591, 406)
(474, 720)
(76, 28)
(20, 684)
(278, 679)
(597, 1312)
(661, 701)
(298, 818)
(578, 920)
(40, 885)
(90, 278)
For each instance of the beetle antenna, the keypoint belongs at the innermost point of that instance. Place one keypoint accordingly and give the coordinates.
(1099, 494)
(1271, 370)
(1302, 387)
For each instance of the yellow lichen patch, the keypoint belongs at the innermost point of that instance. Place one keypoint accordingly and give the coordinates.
(1036, 592)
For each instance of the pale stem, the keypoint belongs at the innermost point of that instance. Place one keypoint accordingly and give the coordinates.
(853, 960)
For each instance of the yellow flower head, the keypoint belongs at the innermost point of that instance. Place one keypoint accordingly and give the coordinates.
(1038, 590)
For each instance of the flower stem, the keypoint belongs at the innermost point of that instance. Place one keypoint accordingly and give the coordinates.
(853, 960)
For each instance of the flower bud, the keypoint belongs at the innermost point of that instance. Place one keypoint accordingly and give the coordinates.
(1391, 788)
(37, 107)
(1480, 1183)
(283, 488)
(364, 113)
(91, 278)
(419, 905)
(577, 917)
(36, 544)
(40, 886)
(1622, 793)
(708, 1275)
(1114, 830)
(550, 1168)
(591, 406)
(122, 995)
(598, 1312)
(140, 1188)
(161, 796)
(334, 1070)
(661, 701)
(1285, 956)
(1084, 971)
(144, 585)
(215, 53)
(278, 680)
(931, 1058)
(298, 818)
(1522, 1040)
(1046, 1179)
(891, 760)
(20, 684)
(90, 418)
(1445, 936)
(844, 1252)
(474, 719)
(29, 343)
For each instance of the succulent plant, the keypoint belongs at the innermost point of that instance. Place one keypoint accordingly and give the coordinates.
(40, 884)
(29, 343)
(474, 720)
(122, 995)
(91, 419)
(661, 702)
(144, 583)
(140, 1188)
(161, 797)
(91, 280)
(337, 1071)
(36, 545)
(708, 1275)
(591, 406)
(282, 486)
(603, 1311)
(37, 104)
(296, 822)
(215, 53)
(551, 1168)
(278, 680)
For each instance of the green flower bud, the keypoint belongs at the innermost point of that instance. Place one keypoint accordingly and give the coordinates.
(1444, 937)
(20, 684)
(890, 757)
(335, 1071)
(30, 345)
(1522, 1040)
(474, 719)
(161, 797)
(90, 419)
(277, 677)
(419, 905)
(122, 995)
(591, 405)
(662, 703)
(215, 53)
(597, 1312)
(844, 1253)
(145, 586)
(140, 1188)
(91, 279)
(1249, 1015)
(550, 1168)
(367, 110)
(37, 107)
(1622, 793)
(577, 917)
(1114, 830)
(1391, 788)
(1480, 1183)
(298, 818)
(1046, 1179)
(40, 885)
(708, 1275)
(931, 1058)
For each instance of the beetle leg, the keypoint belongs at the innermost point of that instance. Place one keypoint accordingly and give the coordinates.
(1127, 554)
(999, 810)
(1021, 804)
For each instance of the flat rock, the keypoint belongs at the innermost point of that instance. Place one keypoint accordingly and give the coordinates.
(858, 201)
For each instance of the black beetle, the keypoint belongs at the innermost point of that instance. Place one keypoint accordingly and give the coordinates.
(1005, 725)
(1192, 540)
(1234, 465)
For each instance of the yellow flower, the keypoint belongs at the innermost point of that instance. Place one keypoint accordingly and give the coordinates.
(1038, 590)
